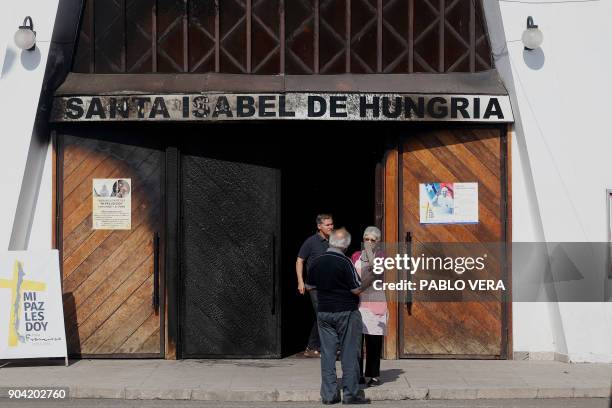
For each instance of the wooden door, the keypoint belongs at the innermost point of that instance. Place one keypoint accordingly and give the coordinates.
(110, 276)
(461, 329)
(229, 258)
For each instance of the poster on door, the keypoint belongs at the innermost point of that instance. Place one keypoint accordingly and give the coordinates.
(112, 204)
(31, 312)
(448, 203)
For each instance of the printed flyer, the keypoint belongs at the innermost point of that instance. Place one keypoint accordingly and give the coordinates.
(112, 204)
(448, 203)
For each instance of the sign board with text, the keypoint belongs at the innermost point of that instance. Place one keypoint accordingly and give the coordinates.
(31, 311)
(286, 106)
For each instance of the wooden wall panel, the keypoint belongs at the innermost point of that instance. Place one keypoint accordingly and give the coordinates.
(472, 327)
(108, 274)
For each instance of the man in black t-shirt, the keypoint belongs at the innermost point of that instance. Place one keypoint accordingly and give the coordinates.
(313, 247)
(338, 286)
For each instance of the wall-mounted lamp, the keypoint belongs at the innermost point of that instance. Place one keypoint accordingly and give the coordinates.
(532, 37)
(25, 37)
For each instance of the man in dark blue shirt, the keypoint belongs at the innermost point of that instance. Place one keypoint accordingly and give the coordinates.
(313, 247)
(338, 286)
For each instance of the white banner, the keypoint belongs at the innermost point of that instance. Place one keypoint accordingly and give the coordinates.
(31, 312)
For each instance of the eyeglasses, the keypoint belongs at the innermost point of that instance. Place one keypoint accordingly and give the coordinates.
(369, 240)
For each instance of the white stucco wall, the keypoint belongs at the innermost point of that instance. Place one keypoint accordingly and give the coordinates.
(560, 147)
(561, 163)
(20, 84)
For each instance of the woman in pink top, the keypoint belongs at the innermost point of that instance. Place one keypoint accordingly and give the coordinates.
(373, 307)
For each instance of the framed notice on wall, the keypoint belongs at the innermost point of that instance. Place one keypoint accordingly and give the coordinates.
(448, 203)
(112, 204)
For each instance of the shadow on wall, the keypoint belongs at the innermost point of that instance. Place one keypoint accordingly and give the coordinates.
(30, 60)
(534, 59)
(9, 59)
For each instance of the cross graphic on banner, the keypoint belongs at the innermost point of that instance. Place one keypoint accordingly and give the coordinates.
(18, 285)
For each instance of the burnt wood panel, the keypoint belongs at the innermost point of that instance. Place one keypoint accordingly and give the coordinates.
(471, 327)
(108, 274)
(282, 36)
(229, 256)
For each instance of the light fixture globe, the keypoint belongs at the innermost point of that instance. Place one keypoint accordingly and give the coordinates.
(25, 37)
(532, 37)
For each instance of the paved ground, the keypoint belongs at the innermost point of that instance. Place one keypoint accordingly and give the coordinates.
(298, 379)
(506, 403)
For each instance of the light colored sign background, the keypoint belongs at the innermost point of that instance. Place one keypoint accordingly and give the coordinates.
(286, 106)
(31, 313)
(448, 203)
(112, 204)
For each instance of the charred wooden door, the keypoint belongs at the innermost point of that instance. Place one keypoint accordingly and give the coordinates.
(474, 328)
(109, 276)
(229, 257)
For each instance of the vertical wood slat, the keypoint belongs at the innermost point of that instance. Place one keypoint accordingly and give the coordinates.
(411, 36)
(506, 267)
(92, 36)
(347, 15)
(508, 304)
(123, 17)
(171, 265)
(185, 36)
(54, 180)
(379, 36)
(281, 35)
(472, 37)
(249, 36)
(217, 37)
(391, 236)
(442, 16)
(316, 37)
(154, 36)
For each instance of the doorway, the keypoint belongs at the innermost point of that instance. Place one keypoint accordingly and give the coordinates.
(111, 272)
(475, 327)
(249, 198)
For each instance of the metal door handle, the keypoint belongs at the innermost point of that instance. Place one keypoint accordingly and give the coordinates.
(408, 302)
(155, 299)
(273, 266)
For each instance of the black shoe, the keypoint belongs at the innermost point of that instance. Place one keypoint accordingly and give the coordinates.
(374, 382)
(334, 401)
(362, 380)
(356, 400)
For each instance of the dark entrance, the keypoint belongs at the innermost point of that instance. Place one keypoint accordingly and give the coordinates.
(249, 197)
